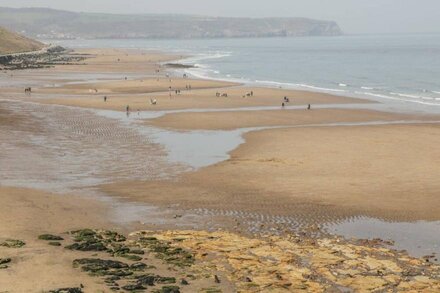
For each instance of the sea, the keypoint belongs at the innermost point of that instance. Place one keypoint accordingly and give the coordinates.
(401, 68)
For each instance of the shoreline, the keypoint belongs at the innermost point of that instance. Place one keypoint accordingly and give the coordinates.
(238, 194)
(363, 92)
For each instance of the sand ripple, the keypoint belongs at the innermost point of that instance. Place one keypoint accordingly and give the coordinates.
(61, 148)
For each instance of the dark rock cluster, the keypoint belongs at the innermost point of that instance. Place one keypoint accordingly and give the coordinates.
(45, 59)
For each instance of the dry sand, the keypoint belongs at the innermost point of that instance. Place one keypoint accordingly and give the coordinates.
(38, 267)
(384, 171)
(138, 86)
(229, 120)
(25, 214)
(116, 61)
(218, 262)
(194, 99)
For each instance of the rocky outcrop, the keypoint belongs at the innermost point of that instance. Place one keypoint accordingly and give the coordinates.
(44, 58)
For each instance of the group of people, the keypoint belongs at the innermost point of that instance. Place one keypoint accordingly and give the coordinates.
(250, 94)
(224, 95)
(287, 100)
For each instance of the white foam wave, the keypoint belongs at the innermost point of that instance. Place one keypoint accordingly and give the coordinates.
(412, 96)
(296, 86)
(321, 88)
(201, 57)
(382, 96)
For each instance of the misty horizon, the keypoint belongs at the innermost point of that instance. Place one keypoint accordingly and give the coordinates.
(362, 17)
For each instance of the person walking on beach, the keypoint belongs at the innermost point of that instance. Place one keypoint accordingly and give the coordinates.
(309, 107)
(282, 105)
(105, 98)
(127, 108)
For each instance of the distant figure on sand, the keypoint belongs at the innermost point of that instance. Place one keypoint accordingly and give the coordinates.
(105, 98)
(127, 108)
(286, 99)
(282, 105)
(309, 107)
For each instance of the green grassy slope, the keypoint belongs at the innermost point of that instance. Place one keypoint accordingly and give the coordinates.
(11, 42)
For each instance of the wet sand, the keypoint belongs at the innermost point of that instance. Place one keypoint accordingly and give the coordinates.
(40, 266)
(229, 120)
(386, 171)
(205, 261)
(195, 99)
(25, 214)
(280, 181)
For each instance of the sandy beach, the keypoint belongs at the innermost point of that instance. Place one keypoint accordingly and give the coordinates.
(202, 96)
(356, 167)
(270, 200)
(276, 118)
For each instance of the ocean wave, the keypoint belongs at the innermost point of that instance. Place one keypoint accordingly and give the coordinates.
(296, 86)
(367, 88)
(342, 85)
(412, 96)
(405, 95)
(321, 88)
(383, 96)
(205, 56)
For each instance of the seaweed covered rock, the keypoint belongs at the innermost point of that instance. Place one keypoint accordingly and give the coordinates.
(101, 267)
(67, 290)
(87, 246)
(5, 261)
(13, 243)
(151, 279)
(172, 255)
(133, 287)
(50, 237)
(98, 240)
(139, 266)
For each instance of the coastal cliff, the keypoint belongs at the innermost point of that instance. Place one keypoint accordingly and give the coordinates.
(11, 42)
(55, 24)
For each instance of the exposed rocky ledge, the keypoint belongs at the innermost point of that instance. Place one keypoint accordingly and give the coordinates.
(45, 58)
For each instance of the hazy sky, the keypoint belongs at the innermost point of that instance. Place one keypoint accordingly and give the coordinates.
(354, 16)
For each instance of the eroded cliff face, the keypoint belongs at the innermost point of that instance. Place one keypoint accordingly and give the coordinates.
(47, 23)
